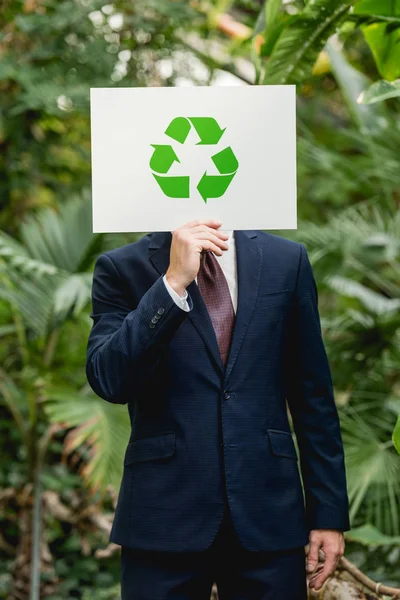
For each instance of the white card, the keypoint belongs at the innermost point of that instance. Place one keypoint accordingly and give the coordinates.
(164, 156)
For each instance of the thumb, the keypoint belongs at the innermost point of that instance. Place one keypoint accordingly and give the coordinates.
(312, 559)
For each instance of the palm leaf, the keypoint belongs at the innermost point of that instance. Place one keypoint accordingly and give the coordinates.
(300, 42)
(363, 240)
(72, 295)
(46, 285)
(33, 299)
(100, 433)
(15, 399)
(16, 256)
(61, 239)
(374, 302)
(373, 469)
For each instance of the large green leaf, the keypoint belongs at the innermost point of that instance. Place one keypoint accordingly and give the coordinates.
(360, 240)
(373, 120)
(373, 302)
(370, 119)
(373, 468)
(396, 435)
(100, 432)
(385, 48)
(33, 298)
(368, 535)
(377, 7)
(61, 238)
(302, 39)
(379, 91)
(274, 21)
(382, 38)
(73, 294)
(43, 273)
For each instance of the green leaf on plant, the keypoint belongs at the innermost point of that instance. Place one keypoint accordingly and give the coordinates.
(301, 41)
(383, 38)
(385, 8)
(368, 535)
(352, 82)
(396, 436)
(379, 91)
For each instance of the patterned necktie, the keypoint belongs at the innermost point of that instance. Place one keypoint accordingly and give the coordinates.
(215, 291)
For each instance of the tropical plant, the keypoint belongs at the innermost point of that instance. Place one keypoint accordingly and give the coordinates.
(46, 284)
(356, 253)
(51, 54)
(356, 262)
(294, 34)
(380, 24)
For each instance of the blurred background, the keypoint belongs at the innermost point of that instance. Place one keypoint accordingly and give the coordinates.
(61, 447)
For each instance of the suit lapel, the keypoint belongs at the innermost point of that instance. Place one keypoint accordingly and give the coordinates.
(201, 320)
(248, 260)
(159, 250)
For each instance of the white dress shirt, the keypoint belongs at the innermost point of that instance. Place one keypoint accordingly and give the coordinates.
(228, 266)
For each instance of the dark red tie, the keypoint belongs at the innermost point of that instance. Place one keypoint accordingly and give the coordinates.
(215, 291)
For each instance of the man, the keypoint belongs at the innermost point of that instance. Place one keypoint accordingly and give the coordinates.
(206, 335)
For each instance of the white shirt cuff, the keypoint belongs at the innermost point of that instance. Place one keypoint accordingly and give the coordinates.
(180, 301)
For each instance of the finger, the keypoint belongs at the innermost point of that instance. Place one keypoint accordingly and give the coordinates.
(329, 567)
(316, 572)
(213, 223)
(312, 559)
(208, 245)
(205, 229)
(212, 238)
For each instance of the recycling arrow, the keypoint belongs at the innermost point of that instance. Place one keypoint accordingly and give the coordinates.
(164, 156)
(207, 129)
(174, 187)
(225, 161)
(178, 129)
(215, 186)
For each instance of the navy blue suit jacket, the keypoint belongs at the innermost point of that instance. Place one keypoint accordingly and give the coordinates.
(198, 431)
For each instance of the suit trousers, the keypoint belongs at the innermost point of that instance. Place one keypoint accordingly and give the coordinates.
(240, 574)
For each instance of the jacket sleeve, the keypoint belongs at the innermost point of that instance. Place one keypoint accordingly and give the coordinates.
(315, 417)
(125, 345)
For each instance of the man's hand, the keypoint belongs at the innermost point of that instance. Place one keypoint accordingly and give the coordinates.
(188, 242)
(331, 542)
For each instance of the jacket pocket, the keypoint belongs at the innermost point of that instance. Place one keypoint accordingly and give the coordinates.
(282, 443)
(150, 448)
(279, 298)
(267, 294)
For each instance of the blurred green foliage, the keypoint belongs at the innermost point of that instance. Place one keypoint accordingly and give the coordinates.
(54, 433)
(51, 54)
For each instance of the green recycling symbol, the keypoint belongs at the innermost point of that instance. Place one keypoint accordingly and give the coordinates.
(164, 156)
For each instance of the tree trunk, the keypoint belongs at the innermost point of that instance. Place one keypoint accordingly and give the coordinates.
(21, 571)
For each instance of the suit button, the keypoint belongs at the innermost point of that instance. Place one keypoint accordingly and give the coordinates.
(227, 395)
(155, 319)
(152, 325)
(161, 310)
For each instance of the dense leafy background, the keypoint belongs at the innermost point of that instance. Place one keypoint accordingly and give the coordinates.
(54, 433)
